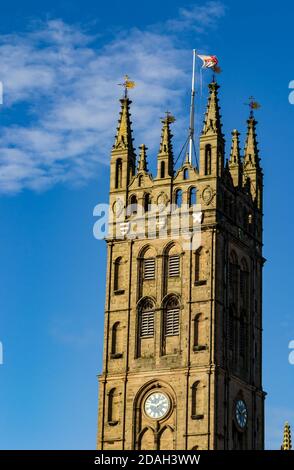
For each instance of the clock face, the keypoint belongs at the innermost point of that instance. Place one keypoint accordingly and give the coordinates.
(241, 413)
(157, 405)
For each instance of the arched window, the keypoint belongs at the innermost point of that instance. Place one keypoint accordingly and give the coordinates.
(192, 197)
(146, 319)
(148, 269)
(198, 264)
(147, 202)
(195, 401)
(196, 342)
(117, 273)
(116, 340)
(243, 340)
(173, 265)
(172, 317)
(118, 173)
(231, 329)
(162, 169)
(112, 412)
(140, 181)
(186, 174)
(133, 205)
(233, 279)
(244, 285)
(207, 167)
(178, 197)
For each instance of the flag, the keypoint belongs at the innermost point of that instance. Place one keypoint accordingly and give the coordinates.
(209, 61)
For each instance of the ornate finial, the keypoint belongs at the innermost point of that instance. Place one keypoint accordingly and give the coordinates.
(253, 104)
(123, 138)
(235, 149)
(251, 158)
(169, 118)
(212, 121)
(287, 444)
(127, 84)
(142, 158)
(165, 148)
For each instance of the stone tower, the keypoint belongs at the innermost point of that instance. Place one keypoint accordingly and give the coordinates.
(183, 327)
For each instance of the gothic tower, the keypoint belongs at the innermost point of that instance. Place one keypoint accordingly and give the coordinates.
(183, 324)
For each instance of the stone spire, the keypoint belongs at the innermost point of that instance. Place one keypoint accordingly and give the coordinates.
(252, 172)
(123, 138)
(123, 157)
(142, 158)
(235, 164)
(212, 143)
(251, 158)
(287, 445)
(165, 157)
(212, 121)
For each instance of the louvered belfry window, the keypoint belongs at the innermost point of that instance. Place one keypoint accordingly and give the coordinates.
(147, 319)
(149, 268)
(174, 265)
(172, 318)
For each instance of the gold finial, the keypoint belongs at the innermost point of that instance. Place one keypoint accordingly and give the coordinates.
(287, 444)
(253, 104)
(169, 118)
(127, 84)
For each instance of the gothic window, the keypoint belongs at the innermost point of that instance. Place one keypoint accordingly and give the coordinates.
(117, 273)
(178, 197)
(197, 265)
(233, 279)
(207, 168)
(112, 412)
(173, 265)
(149, 269)
(172, 317)
(244, 285)
(243, 339)
(162, 169)
(192, 197)
(116, 340)
(140, 182)
(133, 205)
(199, 276)
(231, 329)
(146, 320)
(118, 173)
(195, 401)
(147, 202)
(197, 346)
(186, 174)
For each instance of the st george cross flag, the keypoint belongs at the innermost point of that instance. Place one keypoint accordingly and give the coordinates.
(209, 61)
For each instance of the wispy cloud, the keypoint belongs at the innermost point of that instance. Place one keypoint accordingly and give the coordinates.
(199, 18)
(67, 90)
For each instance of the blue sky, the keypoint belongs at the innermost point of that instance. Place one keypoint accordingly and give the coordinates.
(60, 65)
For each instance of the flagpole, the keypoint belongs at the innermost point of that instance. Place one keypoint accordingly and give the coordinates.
(192, 108)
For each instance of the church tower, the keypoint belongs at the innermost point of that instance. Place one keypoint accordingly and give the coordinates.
(183, 324)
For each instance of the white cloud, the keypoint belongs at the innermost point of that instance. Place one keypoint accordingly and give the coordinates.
(68, 90)
(199, 18)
